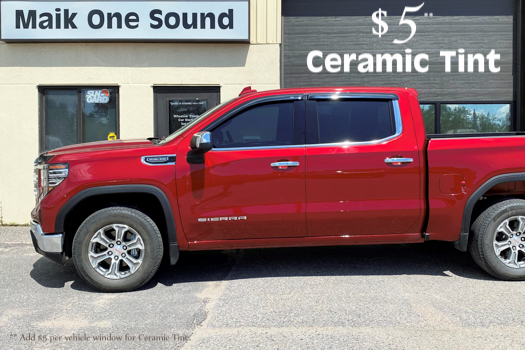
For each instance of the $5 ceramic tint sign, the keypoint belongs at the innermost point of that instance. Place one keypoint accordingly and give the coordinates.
(406, 61)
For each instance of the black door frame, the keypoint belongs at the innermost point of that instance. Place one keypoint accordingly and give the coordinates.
(178, 89)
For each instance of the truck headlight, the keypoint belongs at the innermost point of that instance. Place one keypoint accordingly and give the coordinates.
(47, 177)
(56, 173)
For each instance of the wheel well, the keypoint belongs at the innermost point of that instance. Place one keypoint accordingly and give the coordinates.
(147, 203)
(497, 193)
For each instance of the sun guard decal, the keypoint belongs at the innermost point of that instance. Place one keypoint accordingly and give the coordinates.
(97, 96)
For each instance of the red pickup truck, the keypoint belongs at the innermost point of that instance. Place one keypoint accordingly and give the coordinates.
(283, 168)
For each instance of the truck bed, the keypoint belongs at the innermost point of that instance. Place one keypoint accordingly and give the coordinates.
(460, 164)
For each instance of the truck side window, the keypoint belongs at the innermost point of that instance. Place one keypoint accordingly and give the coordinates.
(354, 121)
(263, 125)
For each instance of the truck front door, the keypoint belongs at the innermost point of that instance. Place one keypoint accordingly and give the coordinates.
(363, 166)
(251, 185)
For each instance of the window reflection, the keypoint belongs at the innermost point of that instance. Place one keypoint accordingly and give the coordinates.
(60, 118)
(429, 117)
(474, 118)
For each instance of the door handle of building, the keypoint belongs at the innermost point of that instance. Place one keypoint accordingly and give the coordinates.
(284, 165)
(398, 160)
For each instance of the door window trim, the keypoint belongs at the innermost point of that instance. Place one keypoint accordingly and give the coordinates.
(398, 122)
(255, 148)
(80, 125)
(352, 95)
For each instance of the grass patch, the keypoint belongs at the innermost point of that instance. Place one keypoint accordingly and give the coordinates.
(2, 223)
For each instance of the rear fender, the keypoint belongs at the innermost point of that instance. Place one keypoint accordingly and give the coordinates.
(462, 243)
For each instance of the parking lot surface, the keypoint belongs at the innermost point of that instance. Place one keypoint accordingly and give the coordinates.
(421, 296)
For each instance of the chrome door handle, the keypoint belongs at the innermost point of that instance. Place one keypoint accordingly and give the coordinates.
(284, 165)
(398, 160)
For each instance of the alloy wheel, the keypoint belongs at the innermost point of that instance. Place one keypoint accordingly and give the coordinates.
(509, 242)
(116, 251)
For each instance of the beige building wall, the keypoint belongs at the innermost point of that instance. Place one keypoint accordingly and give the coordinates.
(135, 68)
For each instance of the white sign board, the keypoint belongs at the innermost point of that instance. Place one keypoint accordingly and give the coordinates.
(125, 20)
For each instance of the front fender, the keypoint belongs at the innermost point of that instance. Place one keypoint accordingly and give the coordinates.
(115, 189)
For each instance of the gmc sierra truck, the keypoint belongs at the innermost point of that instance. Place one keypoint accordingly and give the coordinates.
(283, 168)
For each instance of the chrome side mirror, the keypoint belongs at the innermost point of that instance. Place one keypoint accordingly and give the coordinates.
(201, 141)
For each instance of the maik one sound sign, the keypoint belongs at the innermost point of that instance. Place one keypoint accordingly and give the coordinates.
(125, 20)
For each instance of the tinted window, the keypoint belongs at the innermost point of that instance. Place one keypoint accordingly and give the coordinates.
(354, 121)
(263, 125)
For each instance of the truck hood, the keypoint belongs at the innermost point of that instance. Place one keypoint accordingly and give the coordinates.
(101, 146)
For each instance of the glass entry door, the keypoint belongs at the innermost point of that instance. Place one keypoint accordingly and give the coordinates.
(177, 106)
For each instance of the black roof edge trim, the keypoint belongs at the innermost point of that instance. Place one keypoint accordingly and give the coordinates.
(351, 96)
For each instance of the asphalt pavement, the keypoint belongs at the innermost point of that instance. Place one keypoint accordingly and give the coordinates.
(419, 296)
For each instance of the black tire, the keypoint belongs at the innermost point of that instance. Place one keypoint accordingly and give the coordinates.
(150, 253)
(483, 233)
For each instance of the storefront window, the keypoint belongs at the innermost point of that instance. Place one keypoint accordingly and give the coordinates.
(474, 118)
(76, 115)
(429, 117)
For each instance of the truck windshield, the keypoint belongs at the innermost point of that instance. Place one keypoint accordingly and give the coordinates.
(194, 121)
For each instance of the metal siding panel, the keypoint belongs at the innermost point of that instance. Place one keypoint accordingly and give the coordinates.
(265, 21)
(271, 25)
(279, 20)
(354, 35)
(262, 11)
(253, 21)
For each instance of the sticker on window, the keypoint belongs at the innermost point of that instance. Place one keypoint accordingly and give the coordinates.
(97, 96)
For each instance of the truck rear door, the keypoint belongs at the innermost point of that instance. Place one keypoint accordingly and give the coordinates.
(362, 165)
